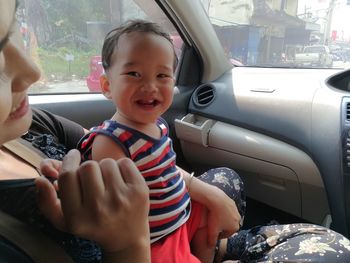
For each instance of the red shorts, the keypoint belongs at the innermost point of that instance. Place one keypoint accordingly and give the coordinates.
(175, 248)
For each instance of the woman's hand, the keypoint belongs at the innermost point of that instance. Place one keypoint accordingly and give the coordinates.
(107, 202)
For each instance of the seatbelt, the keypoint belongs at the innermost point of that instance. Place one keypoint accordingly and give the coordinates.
(34, 243)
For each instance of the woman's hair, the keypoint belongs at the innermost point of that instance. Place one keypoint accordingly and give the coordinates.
(112, 38)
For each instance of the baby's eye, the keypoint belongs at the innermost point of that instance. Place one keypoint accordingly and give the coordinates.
(162, 75)
(133, 73)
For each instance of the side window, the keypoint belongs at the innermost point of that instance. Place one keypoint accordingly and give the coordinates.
(65, 38)
(277, 33)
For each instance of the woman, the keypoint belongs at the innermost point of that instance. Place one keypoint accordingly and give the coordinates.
(75, 212)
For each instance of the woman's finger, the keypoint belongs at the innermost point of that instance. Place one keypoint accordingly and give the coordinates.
(91, 182)
(111, 174)
(69, 185)
(71, 161)
(130, 173)
(49, 203)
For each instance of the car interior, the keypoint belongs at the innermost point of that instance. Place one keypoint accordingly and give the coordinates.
(284, 129)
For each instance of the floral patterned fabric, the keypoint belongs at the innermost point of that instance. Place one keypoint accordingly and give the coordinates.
(229, 182)
(293, 243)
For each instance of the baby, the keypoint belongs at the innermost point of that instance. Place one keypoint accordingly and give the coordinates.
(139, 62)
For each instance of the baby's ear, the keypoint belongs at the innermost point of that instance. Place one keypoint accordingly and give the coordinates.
(105, 87)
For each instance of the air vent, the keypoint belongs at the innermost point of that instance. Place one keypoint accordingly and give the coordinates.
(348, 111)
(204, 95)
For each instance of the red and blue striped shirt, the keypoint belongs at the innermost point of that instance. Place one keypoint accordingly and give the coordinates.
(156, 160)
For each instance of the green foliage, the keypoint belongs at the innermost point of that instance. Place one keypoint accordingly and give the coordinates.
(69, 17)
(59, 27)
(56, 67)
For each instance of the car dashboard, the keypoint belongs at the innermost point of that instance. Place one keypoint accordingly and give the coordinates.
(287, 133)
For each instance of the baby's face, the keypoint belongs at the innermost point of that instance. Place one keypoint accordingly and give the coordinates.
(141, 76)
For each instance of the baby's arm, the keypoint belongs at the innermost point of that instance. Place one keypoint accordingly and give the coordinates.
(104, 147)
(223, 217)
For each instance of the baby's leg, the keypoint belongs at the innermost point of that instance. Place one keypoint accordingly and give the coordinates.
(199, 244)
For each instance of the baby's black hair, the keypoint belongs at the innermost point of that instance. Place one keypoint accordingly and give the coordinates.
(112, 38)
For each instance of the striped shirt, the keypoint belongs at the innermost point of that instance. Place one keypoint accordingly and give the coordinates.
(156, 160)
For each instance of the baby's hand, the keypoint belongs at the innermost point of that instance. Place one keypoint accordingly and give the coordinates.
(223, 218)
(50, 168)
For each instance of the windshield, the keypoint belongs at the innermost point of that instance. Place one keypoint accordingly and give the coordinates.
(270, 33)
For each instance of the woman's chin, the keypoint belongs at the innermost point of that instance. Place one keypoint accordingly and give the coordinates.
(15, 128)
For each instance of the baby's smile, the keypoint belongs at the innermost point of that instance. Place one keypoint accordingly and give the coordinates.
(148, 103)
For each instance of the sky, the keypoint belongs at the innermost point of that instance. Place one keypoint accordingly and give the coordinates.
(341, 14)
